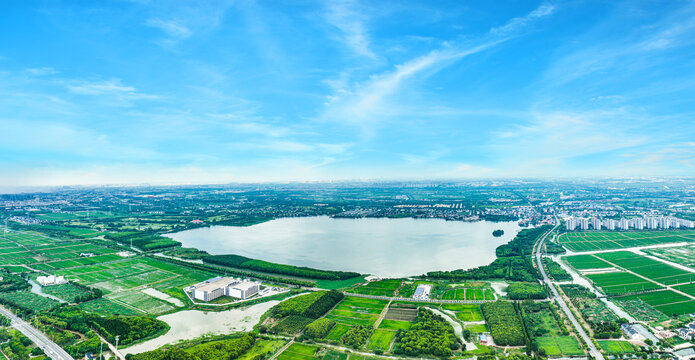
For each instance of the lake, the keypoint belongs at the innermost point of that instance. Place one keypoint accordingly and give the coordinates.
(378, 246)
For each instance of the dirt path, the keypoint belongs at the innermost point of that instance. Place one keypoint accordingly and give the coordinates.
(381, 316)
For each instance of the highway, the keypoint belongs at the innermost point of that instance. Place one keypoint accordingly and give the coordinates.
(51, 349)
(593, 351)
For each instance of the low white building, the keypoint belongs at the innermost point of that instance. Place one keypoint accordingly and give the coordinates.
(225, 286)
(243, 290)
(51, 280)
(213, 288)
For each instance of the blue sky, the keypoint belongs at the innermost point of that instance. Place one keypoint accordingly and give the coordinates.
(221, 91)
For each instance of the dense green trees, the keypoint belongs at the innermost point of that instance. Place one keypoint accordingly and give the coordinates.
(319, 328)
(240, 262)
(526, 290)
(357, 336)
(12, 282)
(498, 233)
(15, 345)
(429, 335)
(513, 261)
(505, 323)
(142, 240)
(128, 328)
(227, 349)
(312, 305)
(556, 271)
(300, 311)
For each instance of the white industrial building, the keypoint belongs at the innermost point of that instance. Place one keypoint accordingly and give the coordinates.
(243, 290)
(225, 286)
(51, 280)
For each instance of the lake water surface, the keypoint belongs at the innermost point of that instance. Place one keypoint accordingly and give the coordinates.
(379, 246)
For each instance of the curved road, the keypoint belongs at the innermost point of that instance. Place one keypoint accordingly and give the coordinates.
(51, 349)
(593, 351)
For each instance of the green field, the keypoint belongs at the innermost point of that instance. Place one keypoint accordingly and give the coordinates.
(394, 324)
(337, 332)
(616, 283)
(298, 351)
(469, 294)
(560, 345)
(688, 289)
(386, 287)
(684, 255)
(649, 268)
(478, 328)
(106, 306)
(609, 240)
(616, 347)
(67, 292)
(381, 339)
(465, 312)
(28, 300)
(666, 301)
(357, 311)
(584, 262)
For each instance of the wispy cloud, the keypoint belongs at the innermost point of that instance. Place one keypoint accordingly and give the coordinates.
(170, 27)
(41, 71)
(365, 104)
(107, 87)
(346, 17)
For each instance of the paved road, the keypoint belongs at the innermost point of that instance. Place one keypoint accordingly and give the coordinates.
(431, 301)
(51, 349)
(593, 351)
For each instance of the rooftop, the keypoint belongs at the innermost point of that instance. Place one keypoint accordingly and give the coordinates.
(218, 283)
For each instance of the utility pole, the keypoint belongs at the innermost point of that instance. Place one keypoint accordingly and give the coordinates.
(117, 341)
(101, 349)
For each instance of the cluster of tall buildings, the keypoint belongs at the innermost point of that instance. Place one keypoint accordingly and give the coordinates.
(637, 223)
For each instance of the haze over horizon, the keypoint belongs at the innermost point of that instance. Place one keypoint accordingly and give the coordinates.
(124, 92)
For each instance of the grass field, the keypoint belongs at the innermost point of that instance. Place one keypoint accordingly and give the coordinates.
(666, 301)
(394, 324)
(334, 355)
(386, 287)
(106, 306)
(381, 339)
(469, 294)
(616, 347)
(585, 262)
(616, 283)
(29, 301)
(608, 240)
(67, 292)
(357, 311)
(688, 289)
(298, 351)
(560, 345)
(465, 312)
(684, 255)
(478, 328)
(337, 332)
(649, 268)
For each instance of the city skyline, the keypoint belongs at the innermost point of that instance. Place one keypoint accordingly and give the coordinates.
(217, 92)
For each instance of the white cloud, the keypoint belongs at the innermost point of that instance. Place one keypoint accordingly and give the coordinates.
(519, 23)
(41, 71)
(170, 27)
(367, 103)
(343, 14)
(113, 87)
